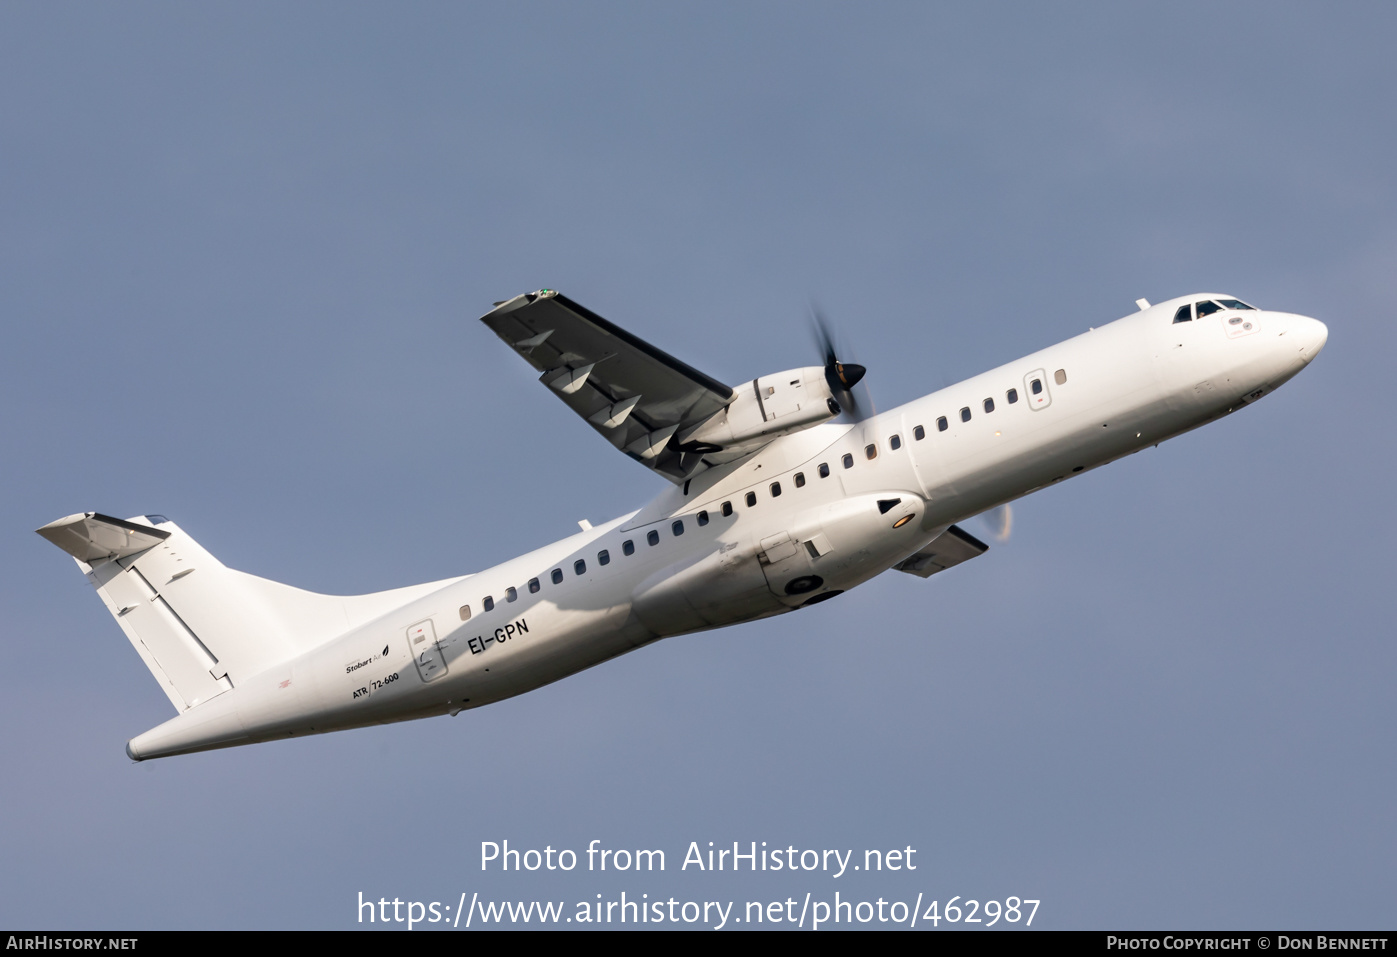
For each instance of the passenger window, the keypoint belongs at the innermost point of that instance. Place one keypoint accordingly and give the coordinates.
(1012, 395)
(800, 480)
(628, 547)
(702, 518)
(1207, 308)
(871, 451)
(557, 576)
(727, 509)
(824, 470)
(895, 442)
(965, 414)
(603, 557)
(919, 433)
(1037, 386)
(775, 489)
(489, 603)
(941, 424)
(465, 612)
(1060, 377)
(533, 586)
(751, 499)
(511, 593)
(989, 405)
(653, 537)
(677, 528)
(1184, 314)
(579, 567)
(848, 461)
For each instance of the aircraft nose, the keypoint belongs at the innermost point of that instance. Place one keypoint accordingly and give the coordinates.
(1312, 334)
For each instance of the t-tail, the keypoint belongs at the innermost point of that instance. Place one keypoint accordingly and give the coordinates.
(202, 628)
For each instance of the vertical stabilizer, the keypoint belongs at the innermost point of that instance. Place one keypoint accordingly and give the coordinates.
(200, 626)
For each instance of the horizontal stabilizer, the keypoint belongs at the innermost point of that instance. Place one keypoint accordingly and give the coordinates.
(92, 537)
(951, 547)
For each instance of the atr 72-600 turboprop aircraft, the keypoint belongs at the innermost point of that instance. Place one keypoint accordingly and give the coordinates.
(784, 493)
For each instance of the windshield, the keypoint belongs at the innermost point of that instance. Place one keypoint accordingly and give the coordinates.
(1206, 307)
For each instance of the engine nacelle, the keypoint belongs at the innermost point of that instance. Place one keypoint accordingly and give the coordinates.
(773, 405)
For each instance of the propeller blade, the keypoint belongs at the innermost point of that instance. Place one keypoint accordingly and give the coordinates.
(841, 376)
(999, 521)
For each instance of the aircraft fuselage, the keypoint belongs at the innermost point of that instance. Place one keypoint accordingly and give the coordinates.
(811, 515)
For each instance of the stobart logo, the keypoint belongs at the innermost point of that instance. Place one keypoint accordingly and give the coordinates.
(354, 666)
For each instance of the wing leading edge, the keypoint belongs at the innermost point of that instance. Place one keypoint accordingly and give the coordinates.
(638, 397)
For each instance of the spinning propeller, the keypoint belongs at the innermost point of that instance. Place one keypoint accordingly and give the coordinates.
(999, 522)
(841, 376)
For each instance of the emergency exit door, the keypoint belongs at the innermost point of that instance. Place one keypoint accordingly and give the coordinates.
(426, 653)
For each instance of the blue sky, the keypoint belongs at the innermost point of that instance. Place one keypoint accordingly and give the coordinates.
(242, 252)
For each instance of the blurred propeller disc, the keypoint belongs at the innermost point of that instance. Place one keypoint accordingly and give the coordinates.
(999, 521)
(841, 376)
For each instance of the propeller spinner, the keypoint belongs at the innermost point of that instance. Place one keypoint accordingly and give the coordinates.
(841, 376)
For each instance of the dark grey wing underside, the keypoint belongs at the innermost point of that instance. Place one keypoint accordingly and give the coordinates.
(634, 395)
(950, 548)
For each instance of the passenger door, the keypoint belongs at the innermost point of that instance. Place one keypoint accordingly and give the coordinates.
(1035, 387)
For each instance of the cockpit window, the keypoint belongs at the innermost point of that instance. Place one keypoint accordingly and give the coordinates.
(1235, 304)
(1206, 308)
(1185, 314)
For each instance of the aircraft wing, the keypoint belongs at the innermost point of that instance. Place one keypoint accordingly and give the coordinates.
(950, 548)
(636, 396)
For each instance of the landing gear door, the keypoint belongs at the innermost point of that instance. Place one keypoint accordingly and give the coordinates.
(426, 653)
(786, 562)
(1035, 389)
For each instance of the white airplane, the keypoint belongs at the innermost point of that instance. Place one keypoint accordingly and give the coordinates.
(784, 493)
